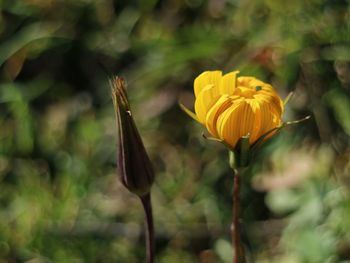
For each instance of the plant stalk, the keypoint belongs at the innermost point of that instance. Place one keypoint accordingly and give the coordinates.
(238, 250)
(149, 227)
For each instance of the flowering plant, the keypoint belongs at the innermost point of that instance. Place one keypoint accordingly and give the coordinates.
(134, 166)
(241, 112)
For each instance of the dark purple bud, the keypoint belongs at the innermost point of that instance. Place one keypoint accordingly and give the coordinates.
(134, 165)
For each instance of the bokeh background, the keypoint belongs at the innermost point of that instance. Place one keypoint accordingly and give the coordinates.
(60, 197)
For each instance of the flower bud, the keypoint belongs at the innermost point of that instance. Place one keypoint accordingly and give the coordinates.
(134, 165)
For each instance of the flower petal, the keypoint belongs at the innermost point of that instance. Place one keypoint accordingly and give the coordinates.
(255, 133)
(270, 119)
(205, 100)
(228, 83)
(228, 124)
(246, 121)
(215, 111)
(272, 98)
(207, 78)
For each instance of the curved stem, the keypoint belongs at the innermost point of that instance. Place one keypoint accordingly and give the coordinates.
(149, 227)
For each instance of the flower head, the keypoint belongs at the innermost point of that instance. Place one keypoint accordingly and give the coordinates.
(134, 165)
(232, 107)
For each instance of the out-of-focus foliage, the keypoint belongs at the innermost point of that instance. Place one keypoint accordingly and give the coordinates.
(60, 198)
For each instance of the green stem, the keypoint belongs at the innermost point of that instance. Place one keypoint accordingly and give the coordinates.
(149, 227)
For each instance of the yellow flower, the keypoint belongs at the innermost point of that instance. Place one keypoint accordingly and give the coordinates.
(233, 107)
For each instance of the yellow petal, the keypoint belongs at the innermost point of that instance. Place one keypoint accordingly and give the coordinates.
(255, 133)
(275, 99)
(266, 117)
(228, 83)
(276, 115)
(205, 100)
(207, 78)
(270, 119)
(219, 107)
(271, 98)
(246, 121)
(228, 123)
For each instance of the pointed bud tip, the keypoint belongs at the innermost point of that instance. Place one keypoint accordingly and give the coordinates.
(119, 93)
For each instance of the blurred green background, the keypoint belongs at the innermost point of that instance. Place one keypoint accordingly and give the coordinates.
(60, 197)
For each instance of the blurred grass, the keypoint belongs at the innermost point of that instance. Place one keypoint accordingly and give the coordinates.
(60, 198)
